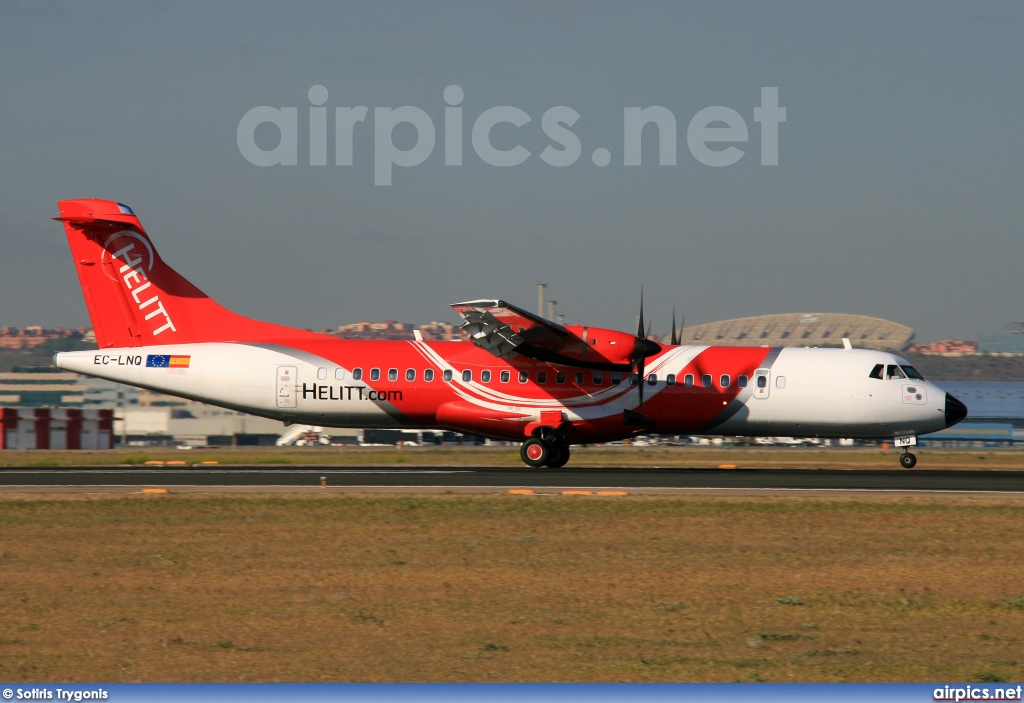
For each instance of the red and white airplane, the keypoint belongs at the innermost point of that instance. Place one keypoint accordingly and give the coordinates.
(519, 376)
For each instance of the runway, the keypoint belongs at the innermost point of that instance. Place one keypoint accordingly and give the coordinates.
(439, 478)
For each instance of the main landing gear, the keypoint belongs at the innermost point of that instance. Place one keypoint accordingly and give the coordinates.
(908, 460)
(552, 452)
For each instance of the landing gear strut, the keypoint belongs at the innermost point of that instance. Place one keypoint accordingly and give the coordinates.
(552, 452)
(907, 460)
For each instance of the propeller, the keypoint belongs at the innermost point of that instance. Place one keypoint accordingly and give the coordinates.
(675, 337)
(642, 348)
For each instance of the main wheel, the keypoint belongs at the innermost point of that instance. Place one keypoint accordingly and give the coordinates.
(908, 460)
(534, 452)
(559, 456)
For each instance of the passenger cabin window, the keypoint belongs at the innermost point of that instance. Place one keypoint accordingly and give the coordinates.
(357, 374)
(652, 379)
(634, 378)
(762, 381)
(524, 376)
(577, 378)
(321, 374)
(560, 377)
(339, 374)
(447, 375)
(485, 376)
(877, 371)
(705, 380)
(616, 378)
(780, 381)
(410, 374)
(670, 380)
(505, 376)
(467, 375)
(374, 374)
(598, 378)
(893, 371)
(912, 372)
(428, 375)
(688, 379)
(542, 377)
(724, 380)
(742, 381)
(392, 374)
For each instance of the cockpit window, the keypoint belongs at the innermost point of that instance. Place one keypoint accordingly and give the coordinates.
(877, 371)
(912, 373)
(893, 371)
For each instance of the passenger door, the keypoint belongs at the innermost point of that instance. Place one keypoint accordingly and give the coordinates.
(287, 382)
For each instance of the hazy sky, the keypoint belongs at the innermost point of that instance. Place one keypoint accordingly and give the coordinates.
(899, 191)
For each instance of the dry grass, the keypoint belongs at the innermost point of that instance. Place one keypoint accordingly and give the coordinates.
(509, 588)
(582, 457)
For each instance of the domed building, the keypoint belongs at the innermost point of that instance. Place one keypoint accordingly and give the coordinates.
(797, 329)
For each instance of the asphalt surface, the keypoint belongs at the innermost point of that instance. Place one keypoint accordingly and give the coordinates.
(503, 478)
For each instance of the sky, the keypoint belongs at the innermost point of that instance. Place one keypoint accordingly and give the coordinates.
(897, 192)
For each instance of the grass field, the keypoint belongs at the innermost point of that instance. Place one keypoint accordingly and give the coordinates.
(509, 588)
(582, 457)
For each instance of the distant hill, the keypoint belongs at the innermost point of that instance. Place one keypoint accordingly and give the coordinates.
(42, 355)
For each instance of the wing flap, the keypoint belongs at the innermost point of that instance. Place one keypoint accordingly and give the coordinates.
(502, 328)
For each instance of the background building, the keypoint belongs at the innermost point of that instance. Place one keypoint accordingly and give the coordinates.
(817, 329)
(1009, 342)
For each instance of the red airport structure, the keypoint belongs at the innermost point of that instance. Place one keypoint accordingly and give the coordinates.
(56, 428)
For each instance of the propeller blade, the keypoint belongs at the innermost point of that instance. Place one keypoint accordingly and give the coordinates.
(640, 363)
(640, 325)
(675, 338)
(641, 348)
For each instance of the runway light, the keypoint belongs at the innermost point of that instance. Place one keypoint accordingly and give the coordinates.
(727, 466)
(154, 490)
(613, 493)
(521, 491)
(577, 493)
(323, 482)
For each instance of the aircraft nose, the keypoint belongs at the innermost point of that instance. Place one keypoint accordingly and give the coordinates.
(955, 410)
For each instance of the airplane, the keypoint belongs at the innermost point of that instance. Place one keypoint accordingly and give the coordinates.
(517, 377)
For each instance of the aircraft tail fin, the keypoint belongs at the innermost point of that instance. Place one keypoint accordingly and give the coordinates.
(134, 298)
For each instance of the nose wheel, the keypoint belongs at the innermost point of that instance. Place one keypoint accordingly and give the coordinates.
(908, 460)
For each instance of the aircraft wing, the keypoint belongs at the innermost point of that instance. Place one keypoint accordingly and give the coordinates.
(502, 328)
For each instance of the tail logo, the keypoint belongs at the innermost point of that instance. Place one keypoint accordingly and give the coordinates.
(128, 256)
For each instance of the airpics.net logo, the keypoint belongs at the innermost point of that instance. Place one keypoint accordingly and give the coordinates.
(711, 135)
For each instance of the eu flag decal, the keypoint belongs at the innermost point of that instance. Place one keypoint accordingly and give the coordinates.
(168, 361)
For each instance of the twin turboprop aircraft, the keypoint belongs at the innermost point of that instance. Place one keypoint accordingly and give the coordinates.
(519, 377)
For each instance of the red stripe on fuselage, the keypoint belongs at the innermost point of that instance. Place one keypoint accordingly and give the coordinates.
(675, 409)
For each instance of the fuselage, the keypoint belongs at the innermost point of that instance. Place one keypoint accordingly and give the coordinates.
(745, 391)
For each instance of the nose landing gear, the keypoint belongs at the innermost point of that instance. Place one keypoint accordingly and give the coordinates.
(552, 452)
(907, 460)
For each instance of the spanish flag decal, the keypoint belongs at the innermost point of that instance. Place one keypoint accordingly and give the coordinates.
(179, 362)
